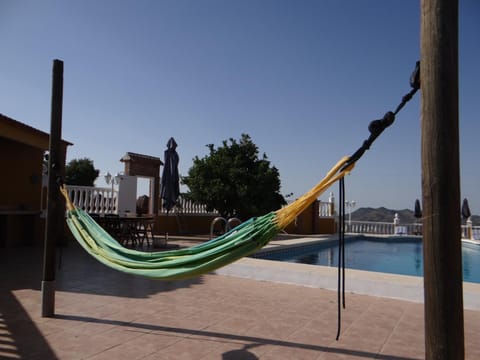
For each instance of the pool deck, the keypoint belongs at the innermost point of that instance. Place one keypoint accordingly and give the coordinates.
(252, 309)
(400, 287)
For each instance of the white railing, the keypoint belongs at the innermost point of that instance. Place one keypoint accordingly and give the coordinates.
(183, 206)
(368, 227)
(187, 207)
(382, 228)
(390, 228)
(476, 232)
(471, 232)
(94, 199)
(325, 209)
(105, 201)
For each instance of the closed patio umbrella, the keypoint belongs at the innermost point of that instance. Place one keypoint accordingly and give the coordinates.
(170, 177)
(466, 210)
(417, 210)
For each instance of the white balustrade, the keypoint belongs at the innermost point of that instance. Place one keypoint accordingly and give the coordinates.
(325, 209)
(471, 232)
(187, 207)
(382, 228)
(93, 199)
(385, 228)
(104, 201)
(476, 232)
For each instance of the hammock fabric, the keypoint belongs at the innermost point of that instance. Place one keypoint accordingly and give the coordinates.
(243, 240)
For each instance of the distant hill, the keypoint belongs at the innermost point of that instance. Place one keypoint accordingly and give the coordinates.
(386, 215)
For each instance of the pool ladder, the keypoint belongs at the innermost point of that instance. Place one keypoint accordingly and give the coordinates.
(227, 224)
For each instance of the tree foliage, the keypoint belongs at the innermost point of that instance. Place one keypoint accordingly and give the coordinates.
(233, 180)
(81, 172)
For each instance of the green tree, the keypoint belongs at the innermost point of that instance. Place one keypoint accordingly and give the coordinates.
(233, 180)
(81, 172)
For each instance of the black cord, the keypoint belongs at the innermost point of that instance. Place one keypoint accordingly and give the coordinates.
(376, 127)
(341, 254)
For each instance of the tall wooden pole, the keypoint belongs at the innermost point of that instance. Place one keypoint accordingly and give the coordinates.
(444, 333)
(54, 222)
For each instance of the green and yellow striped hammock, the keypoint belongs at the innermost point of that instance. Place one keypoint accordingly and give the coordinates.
(243, 240)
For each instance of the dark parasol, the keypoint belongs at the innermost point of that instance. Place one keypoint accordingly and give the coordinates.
(417, 212)
(466, 209)
(170, 177)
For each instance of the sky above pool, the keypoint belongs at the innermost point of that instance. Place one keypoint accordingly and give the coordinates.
(302, 78)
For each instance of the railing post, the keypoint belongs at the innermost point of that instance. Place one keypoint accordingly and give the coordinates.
(396, 223)
(331, 201)
(469, 229)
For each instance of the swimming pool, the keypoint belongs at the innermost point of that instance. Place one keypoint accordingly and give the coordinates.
(402, 255)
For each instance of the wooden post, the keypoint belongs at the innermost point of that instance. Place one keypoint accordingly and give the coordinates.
(444, 332)
(55, 218)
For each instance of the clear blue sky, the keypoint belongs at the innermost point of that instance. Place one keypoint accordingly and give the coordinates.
(302, 78)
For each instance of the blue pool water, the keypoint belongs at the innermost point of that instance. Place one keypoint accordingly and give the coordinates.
(398, 256)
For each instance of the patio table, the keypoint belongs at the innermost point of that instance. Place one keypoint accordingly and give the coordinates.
(130, 230)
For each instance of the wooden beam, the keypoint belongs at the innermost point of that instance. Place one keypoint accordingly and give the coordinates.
(55, 217)
(444, 332)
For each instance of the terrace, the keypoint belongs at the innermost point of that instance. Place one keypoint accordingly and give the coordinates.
(104, 314)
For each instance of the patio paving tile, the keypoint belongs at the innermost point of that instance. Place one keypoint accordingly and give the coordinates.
(103, 314)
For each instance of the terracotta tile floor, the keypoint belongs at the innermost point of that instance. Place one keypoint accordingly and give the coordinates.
(104, 314)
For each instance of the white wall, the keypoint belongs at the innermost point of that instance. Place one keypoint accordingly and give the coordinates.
(127, 194)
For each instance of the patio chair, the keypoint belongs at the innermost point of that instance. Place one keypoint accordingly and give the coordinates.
(144, 231)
